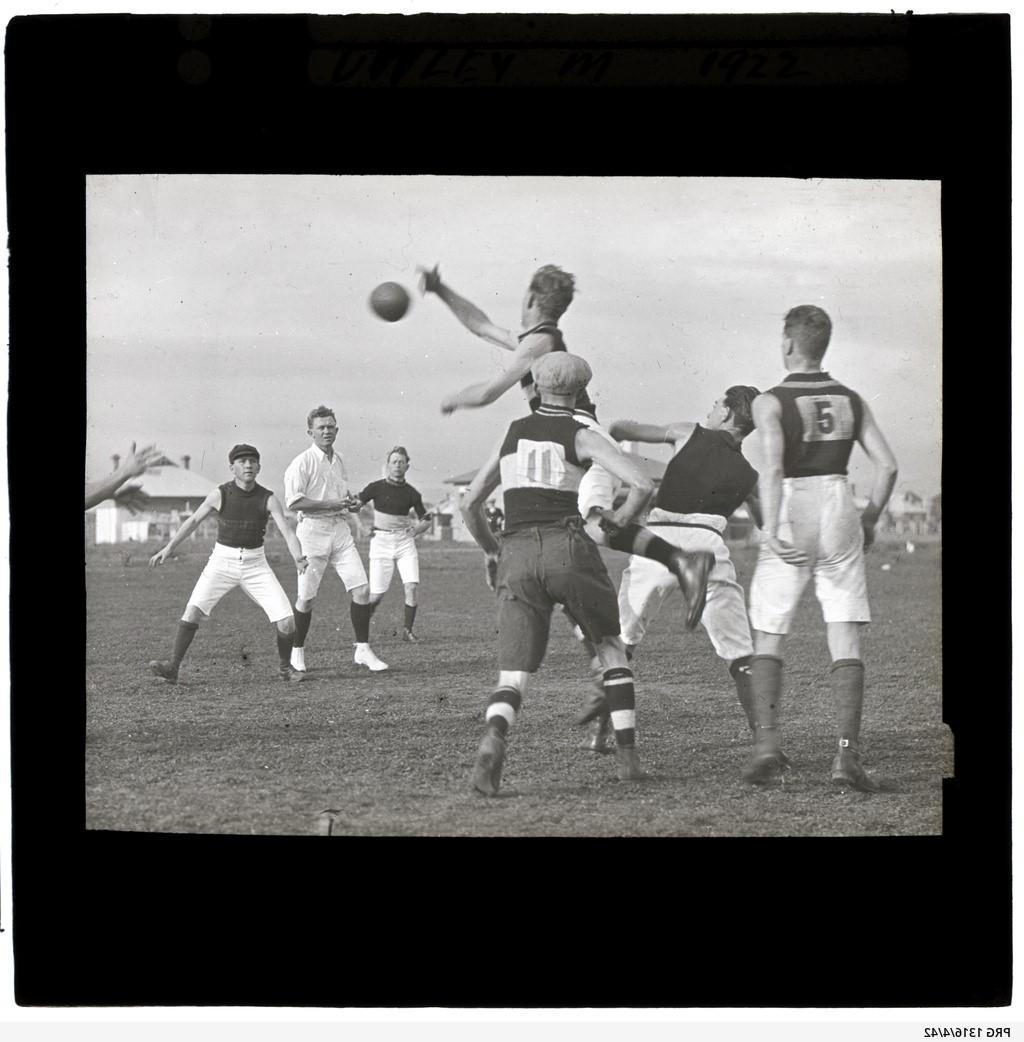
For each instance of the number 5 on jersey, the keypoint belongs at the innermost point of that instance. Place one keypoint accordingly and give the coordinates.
(826, 417)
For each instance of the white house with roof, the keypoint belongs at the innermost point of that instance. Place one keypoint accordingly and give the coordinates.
(174, 492)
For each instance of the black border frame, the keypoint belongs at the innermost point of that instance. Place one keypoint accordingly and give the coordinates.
(138, 919)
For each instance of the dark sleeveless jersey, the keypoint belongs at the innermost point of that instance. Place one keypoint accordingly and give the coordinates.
(558, 344)
(540, 472)
(243, 516)
(708, 475)
(393, 497)
(820, 422)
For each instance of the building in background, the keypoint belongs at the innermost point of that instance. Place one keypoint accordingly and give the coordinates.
(174, 492)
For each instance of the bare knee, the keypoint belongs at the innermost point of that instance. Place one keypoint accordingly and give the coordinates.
(193, 615)
(410, 593)
(361, 594)
(304, 604)
(286, 626)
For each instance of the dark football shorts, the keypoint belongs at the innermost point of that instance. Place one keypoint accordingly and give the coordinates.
(539, 568)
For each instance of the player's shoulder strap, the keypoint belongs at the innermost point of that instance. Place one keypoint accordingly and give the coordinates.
(549, 329)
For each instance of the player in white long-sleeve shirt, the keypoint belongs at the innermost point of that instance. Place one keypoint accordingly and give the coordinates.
(316, 485)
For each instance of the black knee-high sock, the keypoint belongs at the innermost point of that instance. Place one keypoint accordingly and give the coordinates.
(620, 695)
(848, 692)
(410, 616)
(182, 639)
(360, 614)
(740, 670)
(302, 621)
(284, 647)
(766, 687)
(625, 539)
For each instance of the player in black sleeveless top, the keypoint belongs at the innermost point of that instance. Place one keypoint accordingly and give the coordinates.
(807, 427)
(705, 482)
(238, 559)
(548, 295)
(393, 538)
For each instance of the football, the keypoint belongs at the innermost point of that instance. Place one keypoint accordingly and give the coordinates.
(390, 301)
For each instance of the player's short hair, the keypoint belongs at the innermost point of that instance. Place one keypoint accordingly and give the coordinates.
(738, 400)
(401, 450)
(552, 290)
(559, 372)
(810, 329)
(319, 411)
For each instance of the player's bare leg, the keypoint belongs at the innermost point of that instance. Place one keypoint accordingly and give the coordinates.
(504, 703)
(847, 682)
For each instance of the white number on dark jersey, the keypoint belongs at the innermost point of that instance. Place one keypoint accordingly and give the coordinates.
(826, 417)
(540, 463)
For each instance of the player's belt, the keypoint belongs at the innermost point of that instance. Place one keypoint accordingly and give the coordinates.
(680, 524)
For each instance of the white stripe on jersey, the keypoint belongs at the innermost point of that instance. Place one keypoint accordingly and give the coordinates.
(540, 464)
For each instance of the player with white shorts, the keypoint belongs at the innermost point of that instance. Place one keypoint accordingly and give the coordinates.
(238, 560)
(393, 539)
(808, 425)
(704, 484)
(316, 485)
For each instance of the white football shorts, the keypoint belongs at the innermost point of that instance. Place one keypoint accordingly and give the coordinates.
(597, 486)
(645, 584)
(231, 566)
(327, 542)
(817, 514)
(388, 549)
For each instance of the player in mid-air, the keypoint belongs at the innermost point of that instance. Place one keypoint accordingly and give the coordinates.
(238, 559)
(705, 482)
(807, 427)
(393, 538)
(545, 557)
(316, 485)
(548, 295)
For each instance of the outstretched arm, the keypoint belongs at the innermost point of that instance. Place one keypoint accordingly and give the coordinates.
(277, 513)
(135, 463)
(767, 412)
(208, 505)
(873, 442)
(476, 395)
(591, 446)
(654, 433)
(475, 320)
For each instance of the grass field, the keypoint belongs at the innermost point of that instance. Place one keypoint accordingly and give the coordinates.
(232, 749)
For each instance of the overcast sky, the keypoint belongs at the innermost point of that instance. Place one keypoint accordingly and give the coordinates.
(223, 308)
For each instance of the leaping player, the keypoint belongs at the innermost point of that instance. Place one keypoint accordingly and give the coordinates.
(393, 538)
(548, 295)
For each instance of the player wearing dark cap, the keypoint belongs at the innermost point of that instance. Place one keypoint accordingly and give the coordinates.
(545, 557)
(238, 559)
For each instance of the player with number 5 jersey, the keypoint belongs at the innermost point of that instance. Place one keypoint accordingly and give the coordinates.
(808, 426)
